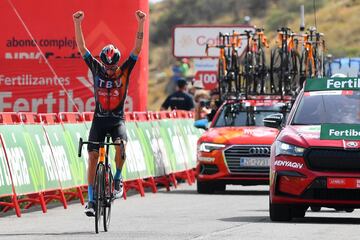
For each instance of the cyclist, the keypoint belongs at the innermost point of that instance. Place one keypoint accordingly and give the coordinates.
(111, 83)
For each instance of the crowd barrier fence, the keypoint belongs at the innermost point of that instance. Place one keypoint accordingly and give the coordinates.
(39, 162)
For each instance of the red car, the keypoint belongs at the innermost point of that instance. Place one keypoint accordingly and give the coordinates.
(315, 159)
(236, 147)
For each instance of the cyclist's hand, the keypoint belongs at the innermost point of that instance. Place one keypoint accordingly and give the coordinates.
(78, 16)
(140, 16)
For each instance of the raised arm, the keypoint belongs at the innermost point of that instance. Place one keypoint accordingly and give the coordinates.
(140, 17)
(79, 37)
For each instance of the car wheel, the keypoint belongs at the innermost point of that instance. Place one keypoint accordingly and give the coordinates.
(204, 187)
(315, 208)
(279, 212)
(220, 187)
(298, 212)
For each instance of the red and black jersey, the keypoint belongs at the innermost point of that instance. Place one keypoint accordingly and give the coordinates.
(110, 92)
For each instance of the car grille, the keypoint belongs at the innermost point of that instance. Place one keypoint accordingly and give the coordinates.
(234, 153)
(336, 159)
(318, 191)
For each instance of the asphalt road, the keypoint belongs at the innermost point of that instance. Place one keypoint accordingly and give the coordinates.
(241, 213)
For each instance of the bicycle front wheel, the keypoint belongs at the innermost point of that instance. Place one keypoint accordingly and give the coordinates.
(107, 198)
(98, 195)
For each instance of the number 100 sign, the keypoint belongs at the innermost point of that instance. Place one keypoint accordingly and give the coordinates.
(208, 78)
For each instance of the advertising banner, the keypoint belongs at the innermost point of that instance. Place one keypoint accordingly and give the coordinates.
(66, 160)
(191, 40)
(41, 69)
(175, 144)
(165, 150)
(73, 132)
(330, 84)
(340, 132)
(43, 162)
(187, 130)
(154, 154)
(206, 71)
(136, 166)
(23, 164)
(5, 179)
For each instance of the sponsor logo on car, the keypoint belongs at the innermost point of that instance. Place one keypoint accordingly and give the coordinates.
(281, 163)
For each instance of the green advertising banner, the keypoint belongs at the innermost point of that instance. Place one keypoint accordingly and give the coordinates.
(135, 164)
(164, 151)
(46, 177)
(340, 132)
(23, 163)
(327, 84)
(66, 160)
(5, 179)
(190, 137)
(169, 133)
(183, 135)
(153, 155)
(73, 132)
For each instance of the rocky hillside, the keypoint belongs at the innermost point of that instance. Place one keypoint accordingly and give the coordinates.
(338, 19)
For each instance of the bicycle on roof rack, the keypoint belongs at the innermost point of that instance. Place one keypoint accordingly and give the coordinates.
(254, 68)
(228, 65)
(103, 184)
(284, 63)
(313, 55)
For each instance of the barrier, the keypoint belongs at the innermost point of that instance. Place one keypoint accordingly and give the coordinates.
(174, 146)
(159, 166)
(23, 164)
(75, 128)
(41, 160)
(39, 163)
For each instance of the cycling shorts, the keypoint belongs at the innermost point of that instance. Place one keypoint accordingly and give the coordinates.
(101, 126)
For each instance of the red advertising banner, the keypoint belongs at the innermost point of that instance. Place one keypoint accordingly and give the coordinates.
(40, 67)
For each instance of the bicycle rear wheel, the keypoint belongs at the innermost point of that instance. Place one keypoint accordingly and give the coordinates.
(107, 198)
(98, 195)
(276, 74)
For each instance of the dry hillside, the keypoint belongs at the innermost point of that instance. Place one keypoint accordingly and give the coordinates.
(338, 19)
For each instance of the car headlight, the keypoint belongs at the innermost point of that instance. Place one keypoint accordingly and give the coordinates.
(288, 149)
(208, 147)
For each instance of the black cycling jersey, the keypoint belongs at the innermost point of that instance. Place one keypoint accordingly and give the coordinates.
(110, 92)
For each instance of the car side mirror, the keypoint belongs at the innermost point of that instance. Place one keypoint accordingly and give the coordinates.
(201, 123)
(273, 120)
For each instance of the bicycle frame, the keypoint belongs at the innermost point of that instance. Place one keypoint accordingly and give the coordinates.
(103, 195)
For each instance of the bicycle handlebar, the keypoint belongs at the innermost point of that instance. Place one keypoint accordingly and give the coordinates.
(81, 143)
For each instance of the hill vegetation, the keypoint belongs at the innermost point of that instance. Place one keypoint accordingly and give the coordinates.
(337, 19)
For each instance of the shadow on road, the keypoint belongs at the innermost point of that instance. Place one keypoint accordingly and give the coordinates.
(231, 192)
(326, 220)
(251, 219)
(45, 234)
(305, 220)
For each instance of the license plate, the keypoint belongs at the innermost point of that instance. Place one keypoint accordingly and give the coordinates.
(254, 162)
(344, 183)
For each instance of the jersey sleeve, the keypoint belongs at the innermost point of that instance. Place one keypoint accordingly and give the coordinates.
(92, 62)
(129, 64)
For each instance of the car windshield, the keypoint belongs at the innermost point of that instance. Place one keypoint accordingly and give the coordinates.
(328, 107)
(236, 114)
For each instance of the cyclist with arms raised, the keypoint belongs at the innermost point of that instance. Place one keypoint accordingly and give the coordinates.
(111, 83)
